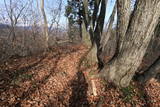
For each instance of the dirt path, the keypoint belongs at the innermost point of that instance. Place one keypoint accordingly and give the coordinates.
(47, 80)
(52, 80)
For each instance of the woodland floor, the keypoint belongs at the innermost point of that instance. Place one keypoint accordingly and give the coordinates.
(53, 80)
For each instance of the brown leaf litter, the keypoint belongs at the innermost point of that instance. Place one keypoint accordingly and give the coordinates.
(52, 80)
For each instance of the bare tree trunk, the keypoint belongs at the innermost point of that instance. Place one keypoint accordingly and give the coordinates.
(123, 14)
(45, 26)
(85, 36)
(109, 40)
(149, 67)
(152, 72)
(134, 42)
(80, 31)
(70, 30)
(94, 26)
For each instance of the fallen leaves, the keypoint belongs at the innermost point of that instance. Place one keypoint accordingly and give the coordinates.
(52, 79)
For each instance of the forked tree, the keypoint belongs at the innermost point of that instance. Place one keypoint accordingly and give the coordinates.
(134, 31)
(14, 11)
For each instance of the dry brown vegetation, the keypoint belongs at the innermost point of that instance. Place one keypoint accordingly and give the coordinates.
(54, 80)
(46, 62)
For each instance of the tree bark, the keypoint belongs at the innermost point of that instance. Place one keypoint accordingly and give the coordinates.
(109, 40)
(150, 63)
(152, 72)
(45, 26)
(123, 17)
(94, 26)
(153, 51)
(85, 37)
(133, 43)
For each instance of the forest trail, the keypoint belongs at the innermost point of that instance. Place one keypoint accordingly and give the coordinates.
(52, 80)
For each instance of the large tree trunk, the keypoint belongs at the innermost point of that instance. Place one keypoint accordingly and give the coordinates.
(123, 14)
(85, 37)
(133, 42)
(152, 72)
(94, 26)
(109, 40)
(150, 65)
(153, 51)
(45, 26)
(70, 30)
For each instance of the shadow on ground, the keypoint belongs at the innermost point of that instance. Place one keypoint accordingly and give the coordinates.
(10, 75)
(79, 91)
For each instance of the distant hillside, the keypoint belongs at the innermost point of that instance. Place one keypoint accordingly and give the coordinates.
(3, 26)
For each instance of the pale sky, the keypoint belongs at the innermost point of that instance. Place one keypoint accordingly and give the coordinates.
(54, 4)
